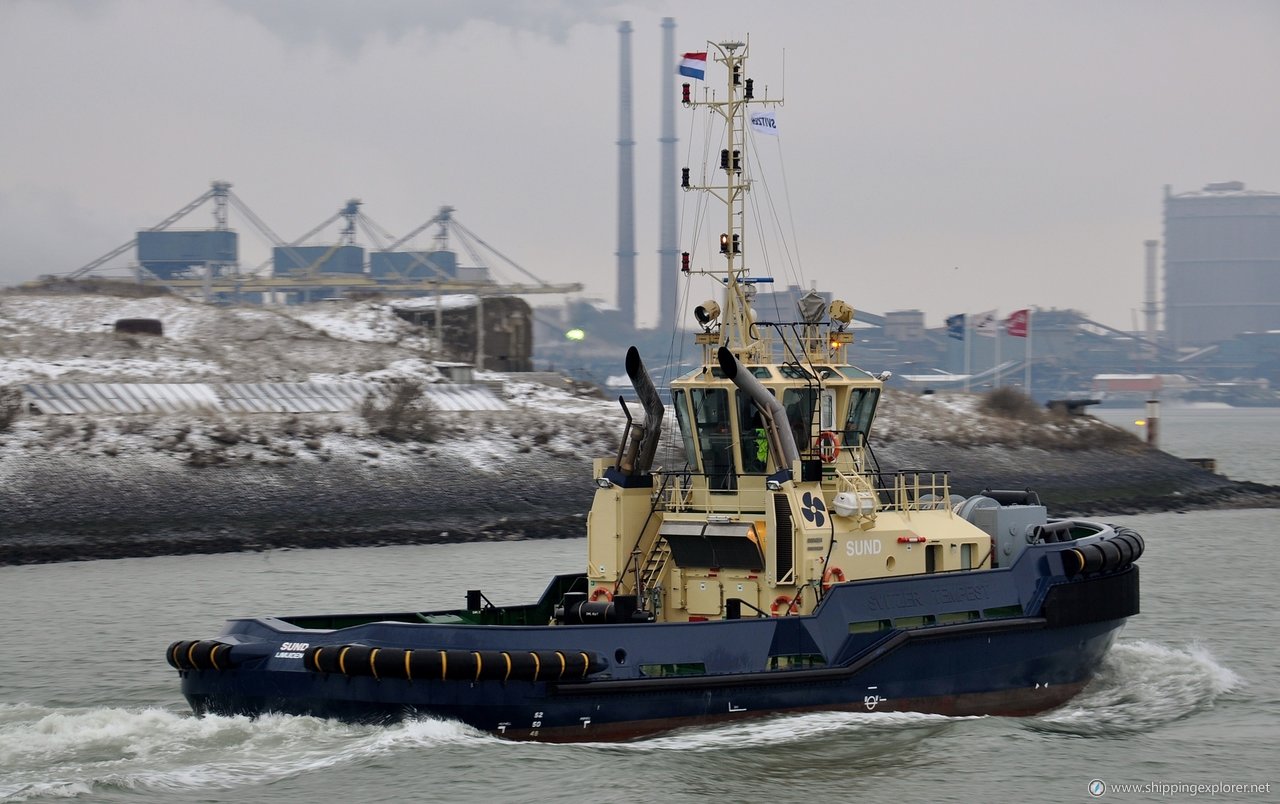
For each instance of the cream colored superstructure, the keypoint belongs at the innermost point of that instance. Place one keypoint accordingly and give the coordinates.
(906, 527)
(773, 496)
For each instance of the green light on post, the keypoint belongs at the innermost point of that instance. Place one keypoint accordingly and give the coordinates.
(575, 335)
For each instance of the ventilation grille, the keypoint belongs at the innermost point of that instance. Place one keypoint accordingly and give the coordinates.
(784, 538)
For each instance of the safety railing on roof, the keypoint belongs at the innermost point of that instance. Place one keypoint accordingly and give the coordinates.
(904, 491)
(716, 494)
(910, 490)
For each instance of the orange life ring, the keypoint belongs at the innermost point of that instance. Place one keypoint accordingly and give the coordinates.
(828, 444)
(601, 592)
(831, 577)
(782, 600)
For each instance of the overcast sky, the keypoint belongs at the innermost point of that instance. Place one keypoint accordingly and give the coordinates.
(945, 156)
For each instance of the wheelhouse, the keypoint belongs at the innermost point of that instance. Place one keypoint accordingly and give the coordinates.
(723, 435)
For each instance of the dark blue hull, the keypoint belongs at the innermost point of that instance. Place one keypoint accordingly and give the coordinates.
(1026, 669)
(1001, 642)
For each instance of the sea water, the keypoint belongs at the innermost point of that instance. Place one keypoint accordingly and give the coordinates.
(1242, 441)
(90, 710)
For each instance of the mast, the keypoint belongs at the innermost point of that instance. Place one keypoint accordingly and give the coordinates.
(736, 319)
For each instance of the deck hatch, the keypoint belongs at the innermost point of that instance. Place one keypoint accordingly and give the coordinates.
(726, 552)
(727, 545)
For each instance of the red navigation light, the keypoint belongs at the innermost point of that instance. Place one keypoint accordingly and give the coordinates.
(684, 261)
(685, 98)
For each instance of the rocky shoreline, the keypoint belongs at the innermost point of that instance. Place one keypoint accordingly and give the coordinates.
(67, 508)
(70, 507)
(110, 485)
(1100, 482)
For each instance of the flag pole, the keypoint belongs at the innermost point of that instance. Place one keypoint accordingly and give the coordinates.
(1026, 379)
(967, 327)
(995, 364)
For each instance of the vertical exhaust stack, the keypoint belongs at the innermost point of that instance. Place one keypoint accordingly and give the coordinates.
(1150, 306)
(643, 449)
(668, 247)
(626, 187)
(782, 442)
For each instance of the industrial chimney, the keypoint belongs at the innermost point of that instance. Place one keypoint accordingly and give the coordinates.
(626, 188)
(668, 247)
(1150, 306)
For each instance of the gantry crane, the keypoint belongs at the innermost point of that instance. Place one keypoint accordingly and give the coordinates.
(310, 276)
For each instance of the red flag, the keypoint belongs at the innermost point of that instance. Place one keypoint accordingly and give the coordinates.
(1016, 324)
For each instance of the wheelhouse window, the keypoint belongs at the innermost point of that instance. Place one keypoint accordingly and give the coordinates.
(800, 404)
(827, 409)
(715, 438)
(753, 439)
(862, 409)
(686, 433)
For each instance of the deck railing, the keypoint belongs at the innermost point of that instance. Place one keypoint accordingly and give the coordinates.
(910, 490)
(903, 491)
(694, 492)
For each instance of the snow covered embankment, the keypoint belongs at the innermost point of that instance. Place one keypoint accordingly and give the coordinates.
(109, 485)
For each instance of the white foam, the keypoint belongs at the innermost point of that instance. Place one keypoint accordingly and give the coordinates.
(774, 731)
(69, 752)
(1142, 685)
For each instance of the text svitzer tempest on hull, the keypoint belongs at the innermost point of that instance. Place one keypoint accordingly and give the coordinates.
(775, 569)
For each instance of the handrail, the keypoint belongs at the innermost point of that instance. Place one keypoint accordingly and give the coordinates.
(654, 505)
(701, 498)
(903, 491)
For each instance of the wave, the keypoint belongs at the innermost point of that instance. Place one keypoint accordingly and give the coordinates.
(75, 752)
(66, 752)
(776, 731)
(1142, 685)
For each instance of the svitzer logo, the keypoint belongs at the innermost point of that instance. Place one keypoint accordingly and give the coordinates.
(814, 510)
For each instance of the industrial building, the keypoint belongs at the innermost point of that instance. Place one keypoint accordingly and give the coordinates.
(1220, 302)
(1221, 263)
(177, 252)
(494, 333)
(206, 262)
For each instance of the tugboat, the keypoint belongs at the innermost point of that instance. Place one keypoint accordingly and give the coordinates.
(776, 570)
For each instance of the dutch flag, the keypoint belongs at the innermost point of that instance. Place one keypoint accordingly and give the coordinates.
(694, 65)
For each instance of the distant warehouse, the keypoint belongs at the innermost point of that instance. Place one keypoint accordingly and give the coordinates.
(1222, 263)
